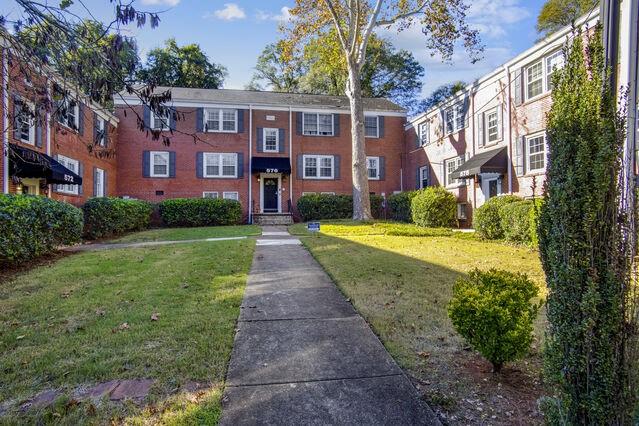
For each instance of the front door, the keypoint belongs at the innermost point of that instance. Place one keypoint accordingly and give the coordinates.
(271, 191)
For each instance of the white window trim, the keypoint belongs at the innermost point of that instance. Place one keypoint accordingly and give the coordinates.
(205, 193)
(376, 117)
(547, 75)
(318, 166)
(454, 108)
(220, 112)
(421, 174)
(166, 123)
(277, 139)
(327, 193)
(152, 163)
(460, 182)
(542, 78)
(530, 171)
(236, 195)
(102, 126)
(64, 188)
(307, 193)
(487, 141)
(220, 156)
(317, 114)
(376, 170)
(31, 107)
(76, 115)
(100, 190)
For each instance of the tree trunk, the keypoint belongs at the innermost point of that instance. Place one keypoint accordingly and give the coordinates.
(361, 198)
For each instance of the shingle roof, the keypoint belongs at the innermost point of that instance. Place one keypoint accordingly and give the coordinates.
(232, 96)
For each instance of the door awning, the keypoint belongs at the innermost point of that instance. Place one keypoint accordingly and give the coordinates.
(493, 161)
(271, 165)
(27, 163)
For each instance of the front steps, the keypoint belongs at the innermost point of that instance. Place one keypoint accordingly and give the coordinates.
(272, 218)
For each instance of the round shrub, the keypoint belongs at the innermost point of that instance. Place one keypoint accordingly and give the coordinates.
(516, 221)
(110, 216)
(434, 207)
(399, 205)
(494, 311)
(487, 220)
(32, 226)
(327, 206)
(200, 212)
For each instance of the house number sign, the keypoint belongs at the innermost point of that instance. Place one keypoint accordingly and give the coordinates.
(272, 170)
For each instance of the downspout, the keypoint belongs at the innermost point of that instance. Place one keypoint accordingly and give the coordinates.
(5, 125)
(48, 124)
(508, 129)
(473, 203)
(290, 154)
(250, 170)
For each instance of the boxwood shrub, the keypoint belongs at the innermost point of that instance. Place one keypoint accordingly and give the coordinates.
(487, 221)
(516, 221)
(399, 206)
(327, 206)
(434, 207)
(200, 212)
(31, 226)
(110, 216)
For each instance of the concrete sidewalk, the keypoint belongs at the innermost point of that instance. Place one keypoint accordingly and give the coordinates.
(302, 354)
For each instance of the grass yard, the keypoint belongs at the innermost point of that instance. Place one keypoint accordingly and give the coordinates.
(176, 234)
(63, 328)
(402, 284)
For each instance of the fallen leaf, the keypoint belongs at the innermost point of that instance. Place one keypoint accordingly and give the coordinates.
(155, 316)
(19, 337)
(121, 327)
(423, 354)
(100, 312)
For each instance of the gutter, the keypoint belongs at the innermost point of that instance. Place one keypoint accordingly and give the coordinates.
(250, 170)
(509, 153)
(290, 155)
(5, 125)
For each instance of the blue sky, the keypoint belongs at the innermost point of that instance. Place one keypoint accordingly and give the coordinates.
(234, 32)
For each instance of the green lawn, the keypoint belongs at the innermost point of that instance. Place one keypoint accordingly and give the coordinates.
(402, 284)
(62, 328)
(176, 234)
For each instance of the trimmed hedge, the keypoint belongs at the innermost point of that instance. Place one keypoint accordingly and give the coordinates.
(110, 216)
(200, 212)
(516, 221)
(326, 206)
(434, 207)
(487, 221)
(31, 226)
(400, 206)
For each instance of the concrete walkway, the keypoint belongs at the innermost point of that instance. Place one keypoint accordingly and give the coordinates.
(302, 354)
(111, 246)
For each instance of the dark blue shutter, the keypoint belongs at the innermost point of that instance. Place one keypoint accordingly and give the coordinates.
(240, 164)
(172, 164)
(336, 171)
(240, 121)
(199, 164)
(335, 124)
(282, 140)
(199, 120)
(147, 117)
(81, 174)
(38, 128)
(418, 178)
(95, 128)
(382, 168)
(95, 181)
(81, 118)
(107, 127)
(146, 163)
(380, 122)
(260, 139)
(519, 91)
(16, 114)
(466, 110)
(300, 166)
(104, 183)
(298, 123)
(172, 118)
(520, 150)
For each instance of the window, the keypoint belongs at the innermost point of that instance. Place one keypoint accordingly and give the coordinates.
(534, 80)
(161, 122)
(25, 122)
(424, 173)
(423, 133)
(328, 193)
(99, 183)
(271, 140)
(159, 164)
(221, 120)
(451, 165)
(553, 62)
(317, 124)
(74, 166)
(371, 126)
(231, 195)
(223, 165)
(101, 132)
(536, 153)
(372, 163)
(209, 194)
(318, 167)
(461, 211)
(307, 193)
(492, 125)
(69, 113)
(455, 118)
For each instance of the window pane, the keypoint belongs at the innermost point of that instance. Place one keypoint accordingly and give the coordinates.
(310, 166)
(213, 120)
(228, 164)
(535, 80)
(228, 119)
(372, 168)
(270, 139)
(160, 164)
(459, 116)
(449, 119)
(423, 133)
(492, 124)
(370, 126)
(326, 167)
(536, 153)
(553, 62)
(325, 124)
(310, 124)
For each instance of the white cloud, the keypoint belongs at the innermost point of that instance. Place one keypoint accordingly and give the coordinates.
(160, 2)
(491, 17)
(283, 16)
(230, 12)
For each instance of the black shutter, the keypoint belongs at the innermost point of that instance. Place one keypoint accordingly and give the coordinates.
(81, 174)
(336, 164)
(260, 139)
(382, 168)
(146, 163)
(380, 123)
(240, 121)
(298, 123)
(199, 164)
(172, 118)
(335, 124)
(171, 164)
(240, 165)
(16, 114)
(300, 166)
(418, 178)
(199, 120)
(95, 127)
(107, 126)
(282, 140)
(147, 116)
(95, 181)
(38, 128)
(81, 118)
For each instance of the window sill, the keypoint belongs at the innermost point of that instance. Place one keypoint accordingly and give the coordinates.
(158, 177)
(73, 194)
(321, 136)
(535, 98)
(220, 131)
(459, 185)
(533, 173)
(318, 178)
(66, 127)
(219, 177)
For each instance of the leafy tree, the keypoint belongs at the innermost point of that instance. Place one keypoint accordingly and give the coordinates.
(440, 94)
(274, 72)
(185, 66)
(443, 23)
(556, 14)
(586, 248)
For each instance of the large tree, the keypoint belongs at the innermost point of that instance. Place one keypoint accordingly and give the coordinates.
(556, 14)
(442, 23)
(438, 95)
(181, 66)
(275, 73)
